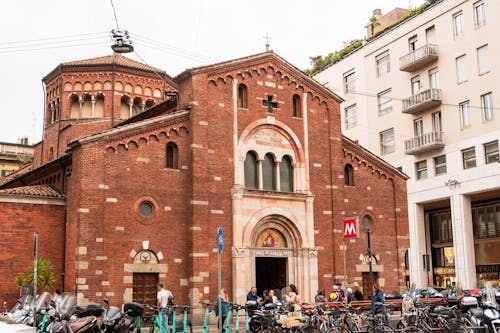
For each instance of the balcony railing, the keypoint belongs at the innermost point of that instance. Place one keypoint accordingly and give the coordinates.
(423, 143)
(422, 101)
(420, 57)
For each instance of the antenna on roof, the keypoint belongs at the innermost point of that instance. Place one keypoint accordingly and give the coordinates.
(121, 38)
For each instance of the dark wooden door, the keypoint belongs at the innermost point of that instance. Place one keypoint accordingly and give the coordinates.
(366, 284)
(144, 288)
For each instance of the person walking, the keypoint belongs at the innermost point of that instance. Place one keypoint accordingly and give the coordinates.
(163, 296)
(224, 306)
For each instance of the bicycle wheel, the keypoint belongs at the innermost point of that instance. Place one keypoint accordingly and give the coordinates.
(412, 329)
(296, 329)
(381, 328)
(338, 329)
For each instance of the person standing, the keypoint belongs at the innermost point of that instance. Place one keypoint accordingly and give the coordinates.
(163, 297)
(293, 298)
(358, 295)
(335, 295)
(320, 296)
(378, 300)
(349, 295)
(252, 294)
(224, 306)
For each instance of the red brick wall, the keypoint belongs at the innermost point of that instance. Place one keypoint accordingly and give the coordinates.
(19, 221)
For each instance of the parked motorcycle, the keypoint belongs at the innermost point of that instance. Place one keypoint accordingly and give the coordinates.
(114, 322)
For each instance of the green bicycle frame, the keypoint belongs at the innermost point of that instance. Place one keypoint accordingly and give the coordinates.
(229, 315)
(205, 320)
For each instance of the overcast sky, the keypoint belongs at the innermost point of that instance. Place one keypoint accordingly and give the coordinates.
(37, 35)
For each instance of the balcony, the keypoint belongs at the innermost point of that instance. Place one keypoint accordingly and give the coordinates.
(419, 58)
(422, 101)
(426, 142)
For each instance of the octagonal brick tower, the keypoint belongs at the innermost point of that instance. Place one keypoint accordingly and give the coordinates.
(85, 97)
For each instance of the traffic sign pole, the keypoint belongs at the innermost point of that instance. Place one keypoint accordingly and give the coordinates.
(220, 246)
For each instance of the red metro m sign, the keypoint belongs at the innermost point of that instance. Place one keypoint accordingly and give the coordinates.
(351, 227)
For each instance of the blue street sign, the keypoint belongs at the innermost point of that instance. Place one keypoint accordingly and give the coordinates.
(220, 239)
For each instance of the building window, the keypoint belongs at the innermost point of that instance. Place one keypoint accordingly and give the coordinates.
(440, 165)
(491, 152)
(469, 158)
(387, 141)
(412, 43)
(436, 122)
(421, 169)
(487, 106)
(486, 221)
(286, 174)
(479, 14)
(442, 228)
(384, 102)
(172, 156)
(458, 25)
(465, 120)
(461, 69)
(268, 175)
(415, 85)
(483, 62)
(242, 96)
(351, 116)
(297, 106)
(383, 64)
(348, 175)
(146, 209)
(434, 78)
(349, 82)
(251, 171)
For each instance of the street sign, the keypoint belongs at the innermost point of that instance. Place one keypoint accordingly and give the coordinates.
(220, 239)
(351, 227)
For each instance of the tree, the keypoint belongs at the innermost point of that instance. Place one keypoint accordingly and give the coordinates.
(25, 158)
(45, 275)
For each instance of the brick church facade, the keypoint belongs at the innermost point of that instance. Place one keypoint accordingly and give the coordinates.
(137, 170)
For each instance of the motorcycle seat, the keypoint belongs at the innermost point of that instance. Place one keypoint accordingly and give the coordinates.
(80, 323)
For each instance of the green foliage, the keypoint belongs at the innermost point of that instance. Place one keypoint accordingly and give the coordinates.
(334, 57)
(321, 63)
(25, 158)
(45, 275)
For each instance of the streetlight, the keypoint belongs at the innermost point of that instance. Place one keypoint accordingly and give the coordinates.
(367, 221)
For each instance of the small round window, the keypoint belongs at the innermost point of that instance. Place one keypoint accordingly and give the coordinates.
(146, 209)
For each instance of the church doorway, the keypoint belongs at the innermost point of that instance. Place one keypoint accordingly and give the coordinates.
(270, 273)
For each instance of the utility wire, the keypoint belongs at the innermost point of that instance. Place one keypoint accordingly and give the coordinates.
(51, 47)
(48, 44)
(114, 13)
(30, 41)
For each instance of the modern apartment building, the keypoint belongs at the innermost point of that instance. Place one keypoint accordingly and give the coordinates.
(424, 95)
(10, 155)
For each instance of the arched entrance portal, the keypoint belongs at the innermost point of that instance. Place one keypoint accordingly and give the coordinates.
(272, 255)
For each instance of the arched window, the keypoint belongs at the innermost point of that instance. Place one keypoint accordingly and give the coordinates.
(268, 176)
(125, 107)
(99, 106)
(251, 171)
(51, 153)
(87, 107)
(75, 107)
(297, 106)
(242, 96)
(172, 156)
(348, 175)
(286, 174)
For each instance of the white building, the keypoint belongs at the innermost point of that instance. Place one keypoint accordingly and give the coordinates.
(424, 95)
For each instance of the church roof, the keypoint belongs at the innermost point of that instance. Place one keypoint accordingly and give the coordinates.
(234, 64)
(46, 191)
(114, 59)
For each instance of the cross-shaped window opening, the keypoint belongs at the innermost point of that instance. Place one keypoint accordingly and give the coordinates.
(270, 103)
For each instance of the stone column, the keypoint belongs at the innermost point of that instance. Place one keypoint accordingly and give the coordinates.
(277, 173)
(463, 241)
(261, 181)
(418, 242)
(92, 100)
